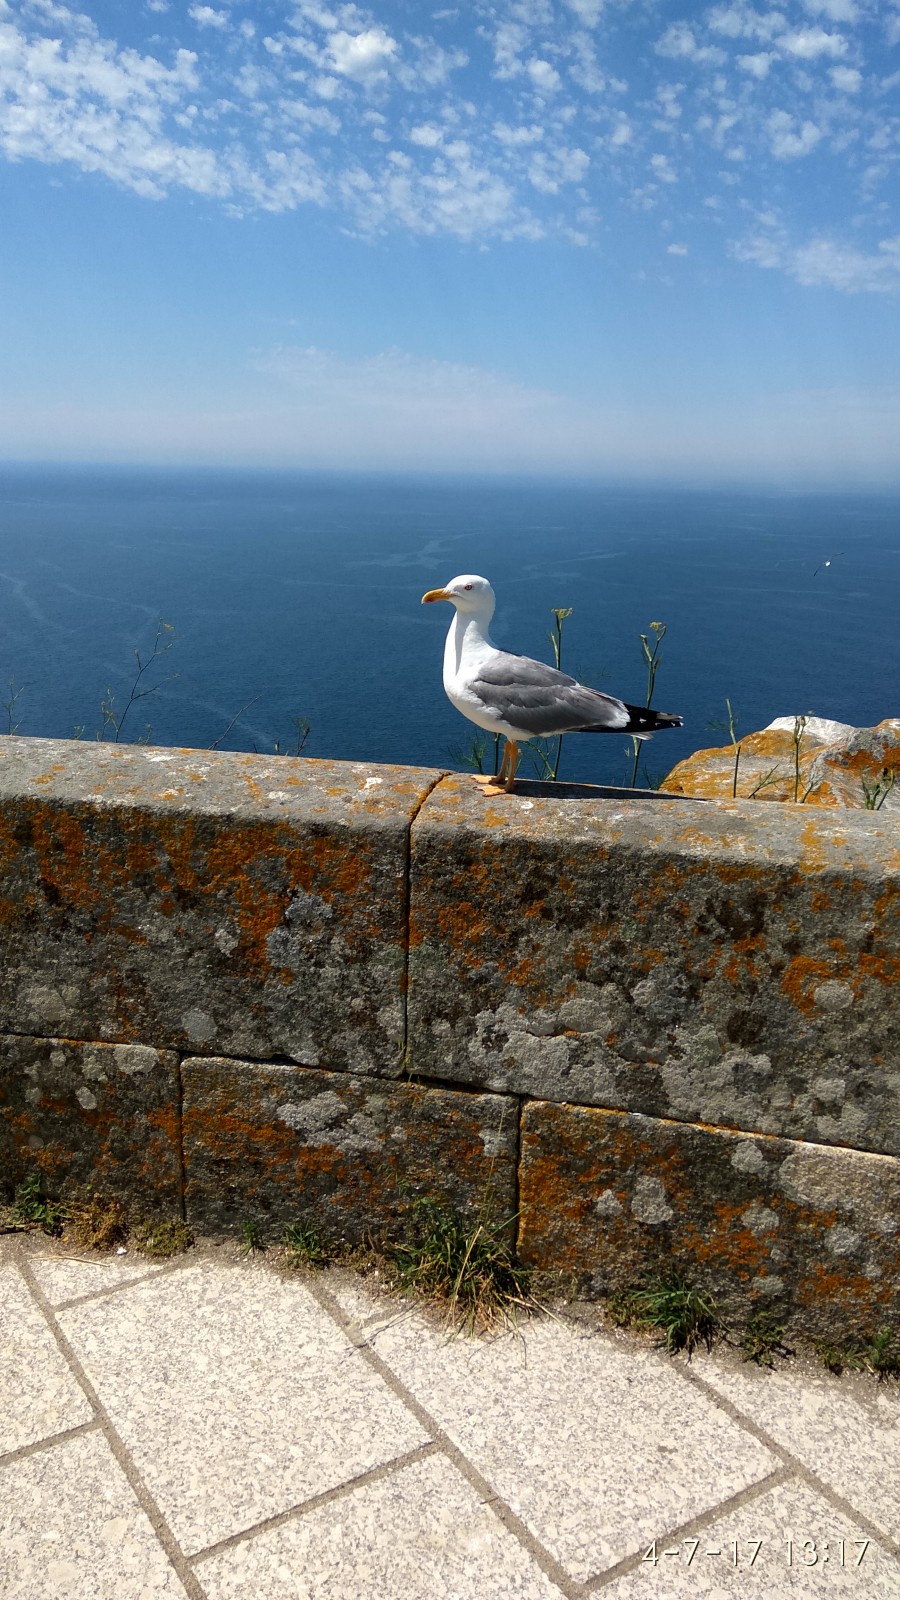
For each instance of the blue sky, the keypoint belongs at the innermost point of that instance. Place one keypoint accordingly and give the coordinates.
(589, 237)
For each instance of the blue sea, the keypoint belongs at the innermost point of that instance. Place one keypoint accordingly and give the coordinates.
(298, 596)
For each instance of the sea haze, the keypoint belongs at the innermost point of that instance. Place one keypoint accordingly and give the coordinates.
(304, 592)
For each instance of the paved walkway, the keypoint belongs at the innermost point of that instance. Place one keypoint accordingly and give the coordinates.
(212, 1428)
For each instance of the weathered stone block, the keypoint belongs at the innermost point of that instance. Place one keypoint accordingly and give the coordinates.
(717, 962)
(188, 899)
(92, 1117)
(613, 1200)
(278, 1144)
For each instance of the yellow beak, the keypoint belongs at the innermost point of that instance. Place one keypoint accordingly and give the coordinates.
(436, 594)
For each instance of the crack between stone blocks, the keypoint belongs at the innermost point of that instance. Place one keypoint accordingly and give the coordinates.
(182, 1159)
(171, 1548)
(517, 1179)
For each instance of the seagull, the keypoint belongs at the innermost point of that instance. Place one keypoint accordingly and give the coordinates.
(518, 697)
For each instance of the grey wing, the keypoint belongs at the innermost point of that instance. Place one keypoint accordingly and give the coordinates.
(540, 700)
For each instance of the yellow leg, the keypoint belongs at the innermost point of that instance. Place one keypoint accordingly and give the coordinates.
(493, 779)
(506, 777)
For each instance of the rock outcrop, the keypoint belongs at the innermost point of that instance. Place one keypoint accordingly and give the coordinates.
(813, 760)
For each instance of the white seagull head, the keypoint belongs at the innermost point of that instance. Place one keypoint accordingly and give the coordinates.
(468, 593)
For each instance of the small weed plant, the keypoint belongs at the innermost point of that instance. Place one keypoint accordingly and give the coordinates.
(684, 1315)
(875, 794)
(653, 660)
(96, 1223)
(304, 1246)
(32, 1209)
(92, 1221)
(469, 1267)
(252, 1239)
(159, 1240)
(879, 1355)
(763, 1339)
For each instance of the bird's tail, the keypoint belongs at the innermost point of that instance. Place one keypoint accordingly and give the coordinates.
(642, 722)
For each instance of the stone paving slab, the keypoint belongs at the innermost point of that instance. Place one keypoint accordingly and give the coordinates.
(245, 1435)
(420, 1533)
(236, 1395)
(788, 1541)
(71, 1527)
(594, 1443)
(38, 1394)
(849, 1437)
(63, 1278)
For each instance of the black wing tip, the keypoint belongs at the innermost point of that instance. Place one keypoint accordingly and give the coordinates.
(642, 720)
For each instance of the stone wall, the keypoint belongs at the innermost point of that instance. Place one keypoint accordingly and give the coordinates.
(657, 1033)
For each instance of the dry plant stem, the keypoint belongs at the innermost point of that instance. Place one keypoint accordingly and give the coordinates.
(652, 658)
(236, 718)
(107, 704)
(797, 739)
(559, 617)
(732, 720)
(9, 705)
(772, 776)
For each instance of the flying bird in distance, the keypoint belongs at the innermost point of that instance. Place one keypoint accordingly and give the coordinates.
(518, 697)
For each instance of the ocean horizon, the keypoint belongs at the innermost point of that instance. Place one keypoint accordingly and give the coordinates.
(297, 596)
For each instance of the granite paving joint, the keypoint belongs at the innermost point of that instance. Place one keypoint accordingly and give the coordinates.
(799, 1469)
(145, 1500)
(569, 1587)
(9, 1457)
(304, 1507)
(693, 1525)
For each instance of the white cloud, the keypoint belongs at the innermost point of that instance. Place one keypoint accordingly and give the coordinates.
(208, 17)
(545, 77)
(433, 64)
(741, 21)
(587, 11)
(426, 135)
(517, 136)
(834, 10)
(585, 69)
(362, 56)
(847, 79)
(826, 261)
(757, 65)
(444, 155)
(679, 41)
(662, 169)
(510, 39)
(810, 43)
(396, 382)
(676, 250)
(549, 170)
(788, 142)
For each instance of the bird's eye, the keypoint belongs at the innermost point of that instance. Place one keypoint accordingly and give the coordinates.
(467, 586)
